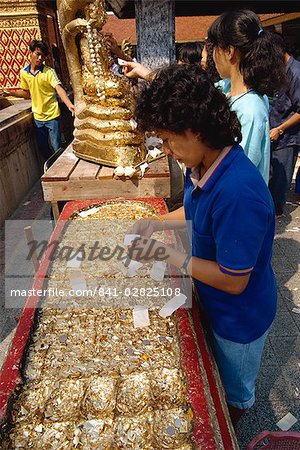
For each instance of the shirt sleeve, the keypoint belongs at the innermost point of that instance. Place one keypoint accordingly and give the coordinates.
(253, 134)
(239, 229)
(23, 82)
(53, 79)
(294, 94)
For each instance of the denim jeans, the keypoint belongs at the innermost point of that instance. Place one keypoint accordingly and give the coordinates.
(283, 163)
(49, 129)
(239, 365)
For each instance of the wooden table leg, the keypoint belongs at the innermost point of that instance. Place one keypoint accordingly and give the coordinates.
(55, 210)
(29, 240)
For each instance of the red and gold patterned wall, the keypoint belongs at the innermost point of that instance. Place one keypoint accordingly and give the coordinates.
(21, 21)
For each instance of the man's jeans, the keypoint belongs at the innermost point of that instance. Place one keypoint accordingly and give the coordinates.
(283, 163)
(45, 130)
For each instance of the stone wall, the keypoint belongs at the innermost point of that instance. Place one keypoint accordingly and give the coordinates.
(20, 165)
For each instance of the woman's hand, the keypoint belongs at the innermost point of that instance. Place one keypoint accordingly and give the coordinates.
(145, 227)
(146, 250)
(170, 221)
(111, 42)
(113, 46)
(136, 70)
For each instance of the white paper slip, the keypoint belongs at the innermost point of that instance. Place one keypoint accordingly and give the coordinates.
(143, 168)
(129, 238)
(134, 266)
(157, 271)
(141, 316)
(296, 310)
(75, 262)
(287, 422)
(154, 153)
(131, 269)
(172, 305)
(77, 280)
(133, 124)
(121, 62)
(87, 213)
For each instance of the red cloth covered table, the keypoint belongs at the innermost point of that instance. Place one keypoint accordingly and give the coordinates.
(212, 427)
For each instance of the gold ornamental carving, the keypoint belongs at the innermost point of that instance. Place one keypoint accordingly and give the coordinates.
(103, 101)
(8, 7)
(18, 14)
(19, 23)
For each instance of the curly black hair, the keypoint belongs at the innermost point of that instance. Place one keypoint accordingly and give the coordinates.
(40, 45)
(261, 65)
(191, 52)
(182, 97)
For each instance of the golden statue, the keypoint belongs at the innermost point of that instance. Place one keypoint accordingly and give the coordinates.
(104, 131)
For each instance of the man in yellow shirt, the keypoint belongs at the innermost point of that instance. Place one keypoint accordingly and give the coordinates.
(40, 83)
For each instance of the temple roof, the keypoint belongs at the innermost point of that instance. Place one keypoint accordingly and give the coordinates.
(125, 8)
(187, 29)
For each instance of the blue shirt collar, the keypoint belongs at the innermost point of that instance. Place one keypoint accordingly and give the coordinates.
(27, 69)
(211, 176)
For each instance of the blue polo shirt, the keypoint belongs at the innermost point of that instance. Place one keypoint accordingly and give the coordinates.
(232, 222)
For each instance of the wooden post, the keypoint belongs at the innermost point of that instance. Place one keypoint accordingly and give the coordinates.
(55, 210)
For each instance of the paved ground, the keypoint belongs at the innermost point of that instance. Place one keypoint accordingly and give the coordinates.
(32, 207)
(278, 387)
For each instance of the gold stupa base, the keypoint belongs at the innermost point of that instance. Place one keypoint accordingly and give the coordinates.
(109, 156)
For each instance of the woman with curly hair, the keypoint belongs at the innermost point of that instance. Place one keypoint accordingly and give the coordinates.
(247, 55)
(229, 214)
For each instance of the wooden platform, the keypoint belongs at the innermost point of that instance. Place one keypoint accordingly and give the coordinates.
(71, 178)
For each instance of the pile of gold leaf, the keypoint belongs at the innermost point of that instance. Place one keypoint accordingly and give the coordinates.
(91, 379)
